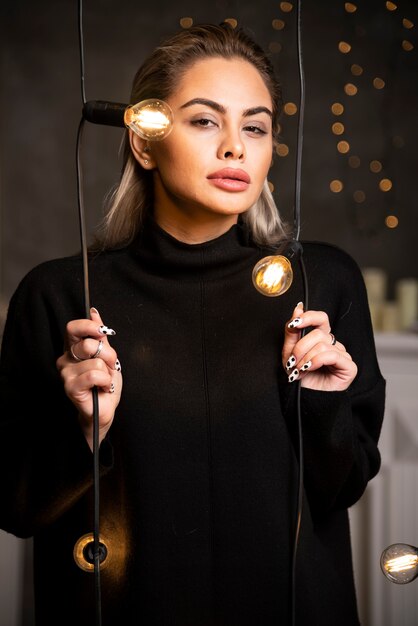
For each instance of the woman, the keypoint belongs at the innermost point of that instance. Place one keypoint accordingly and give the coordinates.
(198, 441)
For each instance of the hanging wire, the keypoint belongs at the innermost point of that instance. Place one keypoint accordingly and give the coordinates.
(297, 213)
(297, 222)
(86, 291)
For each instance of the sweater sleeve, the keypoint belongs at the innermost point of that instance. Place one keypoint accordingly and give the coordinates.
(341, 429)
(45, 462)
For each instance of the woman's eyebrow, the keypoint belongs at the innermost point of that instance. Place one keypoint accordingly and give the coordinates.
(256, 110)
(209, 103)
(221, 109)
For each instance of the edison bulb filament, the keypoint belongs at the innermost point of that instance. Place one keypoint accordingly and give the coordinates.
(399, 563)
(272, 275)
(151, 119)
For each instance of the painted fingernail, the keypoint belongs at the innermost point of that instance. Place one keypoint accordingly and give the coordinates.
(118, 366)
(291, 362)
(105, 330)
(294, 375)
(295, 322)
(306, 366)
(94, 310)
(112, 388)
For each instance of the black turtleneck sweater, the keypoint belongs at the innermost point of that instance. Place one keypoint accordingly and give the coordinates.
(199, 471)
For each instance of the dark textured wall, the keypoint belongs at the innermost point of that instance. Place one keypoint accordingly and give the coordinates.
(41, 109)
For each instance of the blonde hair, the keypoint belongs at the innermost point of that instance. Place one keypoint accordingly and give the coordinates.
(132, 199)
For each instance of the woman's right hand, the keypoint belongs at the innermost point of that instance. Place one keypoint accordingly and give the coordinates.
(90, 361)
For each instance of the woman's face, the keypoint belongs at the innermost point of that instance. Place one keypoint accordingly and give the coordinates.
(213, 164)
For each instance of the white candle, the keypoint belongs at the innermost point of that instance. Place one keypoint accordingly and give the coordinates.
(407, 299)
(375, 281)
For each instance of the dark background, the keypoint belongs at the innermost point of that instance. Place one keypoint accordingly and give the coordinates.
(41, 110)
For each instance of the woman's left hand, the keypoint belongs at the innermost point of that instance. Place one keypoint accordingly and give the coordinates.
(317, 359)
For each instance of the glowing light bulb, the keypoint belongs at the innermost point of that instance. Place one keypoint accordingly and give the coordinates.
(150, 119)
(399, 563)
(84, 552)
(272, 275)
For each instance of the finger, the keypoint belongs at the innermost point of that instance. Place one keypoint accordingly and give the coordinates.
(316, 319)
(82, 328)
(339, 363)
(291, 337)
(315, 356)
(315, 340)
(86, 377)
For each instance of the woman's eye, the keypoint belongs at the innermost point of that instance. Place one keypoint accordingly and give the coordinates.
(256, 130)
(203, 122)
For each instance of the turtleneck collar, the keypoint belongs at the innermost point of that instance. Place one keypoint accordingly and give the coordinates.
(161, 253)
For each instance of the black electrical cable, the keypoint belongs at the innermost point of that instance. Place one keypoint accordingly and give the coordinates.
(86, 291)
(297, 250)
(297, 213)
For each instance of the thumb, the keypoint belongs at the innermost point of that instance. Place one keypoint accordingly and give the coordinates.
(291, 335)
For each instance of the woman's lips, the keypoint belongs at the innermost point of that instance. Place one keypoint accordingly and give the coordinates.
(230, 179)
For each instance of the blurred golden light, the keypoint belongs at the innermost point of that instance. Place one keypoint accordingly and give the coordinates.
(286, 7)
(385, 184)
(350, 7)
(336, 186)
(343, 147)
(350, 89)
(232, 21)
(354, 161)
(356, 69)
(344, 47)
(338, 128)
(290, 108)
(391, 6)
(407, 45)
(359, 196)
(375, 166)
(278, 24)
(391, 221)
(186, 22)
(407, 23)
(282, 149)
(337, 108)
(275, 47)
(378, 83)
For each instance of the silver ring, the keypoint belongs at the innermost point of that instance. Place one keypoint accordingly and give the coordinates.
(99, 349)
(333, 339)
(75, 357)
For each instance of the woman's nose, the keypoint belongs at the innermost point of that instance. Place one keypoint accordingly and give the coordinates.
(232, 146)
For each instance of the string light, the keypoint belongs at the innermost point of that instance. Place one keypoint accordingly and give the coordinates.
(399, 563)
(83, 552)
(151, 119)
(272, 275)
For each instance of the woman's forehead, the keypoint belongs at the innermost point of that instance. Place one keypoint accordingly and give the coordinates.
(220, 79)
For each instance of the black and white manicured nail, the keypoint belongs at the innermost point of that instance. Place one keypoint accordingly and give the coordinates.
(112, 388)
(291, 362)
(306, 366)
(294, 375)
(118, 366)
(295, 322)
(105, 330)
